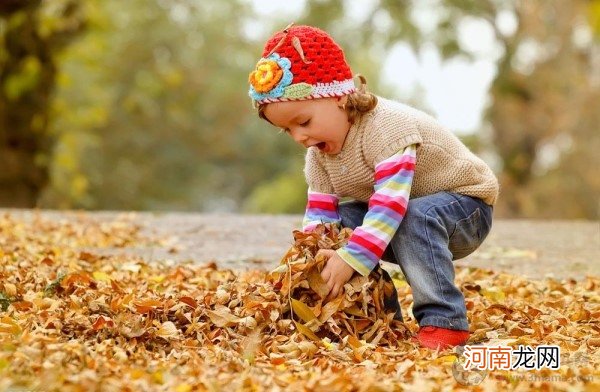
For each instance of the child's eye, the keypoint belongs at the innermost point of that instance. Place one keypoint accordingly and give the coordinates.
(305, 123)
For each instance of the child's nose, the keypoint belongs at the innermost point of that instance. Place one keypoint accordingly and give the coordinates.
(299, 137)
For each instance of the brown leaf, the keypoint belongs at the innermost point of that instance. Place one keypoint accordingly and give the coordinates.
(147, 305)
(189, 301)
(22, 305)
(115, 286)
(101, 322)
(516, 331)
(354, 342)
(277, 359)
(355, 311)
(168, 330)
(85, 256)
(222, 317)
(304, 330)
(594, 342)
(330, 308)
(315, 281)
(77, 278)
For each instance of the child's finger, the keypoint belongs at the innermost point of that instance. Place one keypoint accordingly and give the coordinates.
(326, 274)
(331, 281)
(335, 291)
(325, 252)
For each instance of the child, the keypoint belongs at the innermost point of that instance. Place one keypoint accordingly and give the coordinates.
(420, 198)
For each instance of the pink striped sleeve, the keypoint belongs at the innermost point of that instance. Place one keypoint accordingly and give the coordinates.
(320, 208)
(387, 207)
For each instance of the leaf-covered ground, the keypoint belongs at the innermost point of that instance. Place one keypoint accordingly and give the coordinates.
(73, 320)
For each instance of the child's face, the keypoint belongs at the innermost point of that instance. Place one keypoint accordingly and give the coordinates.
(317, 122)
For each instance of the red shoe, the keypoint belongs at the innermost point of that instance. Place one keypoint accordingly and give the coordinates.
(442, 338)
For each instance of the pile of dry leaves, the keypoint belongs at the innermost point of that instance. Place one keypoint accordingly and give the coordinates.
(71, 319)
(357, 315)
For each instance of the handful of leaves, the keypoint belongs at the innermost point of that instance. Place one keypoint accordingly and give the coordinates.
(357, 314)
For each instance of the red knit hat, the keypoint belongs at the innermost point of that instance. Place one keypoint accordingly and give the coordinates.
(298, 63)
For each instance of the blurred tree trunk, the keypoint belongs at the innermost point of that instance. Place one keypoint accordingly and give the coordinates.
(27, 78)
(540, 99)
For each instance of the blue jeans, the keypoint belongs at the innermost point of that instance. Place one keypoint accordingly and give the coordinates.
(436, 230)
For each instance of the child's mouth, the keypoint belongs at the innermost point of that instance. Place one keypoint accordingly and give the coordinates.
(321, 146)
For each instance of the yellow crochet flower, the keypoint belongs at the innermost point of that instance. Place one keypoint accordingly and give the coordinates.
(266, 75)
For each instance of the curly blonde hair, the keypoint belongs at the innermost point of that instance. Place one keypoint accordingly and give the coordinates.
(359, 102)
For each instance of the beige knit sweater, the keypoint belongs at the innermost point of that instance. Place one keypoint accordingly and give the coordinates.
(444, 163)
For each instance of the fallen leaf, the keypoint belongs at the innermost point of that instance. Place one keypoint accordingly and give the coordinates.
(101, 322)
(304, 330)
(303, 311)
(145, 306)
(315, 281)
(222, 317)
(168, 330)
(101, 276)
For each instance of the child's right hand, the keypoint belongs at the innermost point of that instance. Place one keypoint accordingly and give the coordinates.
(336, 272)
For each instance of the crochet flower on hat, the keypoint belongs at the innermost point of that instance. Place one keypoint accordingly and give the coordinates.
(271, 76)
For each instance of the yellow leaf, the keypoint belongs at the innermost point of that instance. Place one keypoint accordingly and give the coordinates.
(327, 343)
(399, 283)
(158, 377)
(303, 311)
(183, 388)
(445, 359)
(157, 278)
(98, 275)
(304, 330)
(136, 373)
(8, 325)
(493, 294)
(355, 311)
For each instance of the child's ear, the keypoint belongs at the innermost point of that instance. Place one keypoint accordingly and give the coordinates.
(341, 101)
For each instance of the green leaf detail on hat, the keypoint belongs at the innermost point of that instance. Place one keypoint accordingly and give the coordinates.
(298, 91)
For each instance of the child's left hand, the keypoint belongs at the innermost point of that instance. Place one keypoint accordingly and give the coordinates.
(336, 272)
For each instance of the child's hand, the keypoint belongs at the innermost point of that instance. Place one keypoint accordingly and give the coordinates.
(336, 272)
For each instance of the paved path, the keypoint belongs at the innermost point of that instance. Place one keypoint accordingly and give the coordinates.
(562, 249)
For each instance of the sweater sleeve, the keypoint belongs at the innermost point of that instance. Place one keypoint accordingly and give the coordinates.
(321, 208)
(387, 207)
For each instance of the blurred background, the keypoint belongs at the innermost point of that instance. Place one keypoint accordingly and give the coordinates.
(143, 105)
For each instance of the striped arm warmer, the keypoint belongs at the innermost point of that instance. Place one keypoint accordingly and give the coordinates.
(387, 207)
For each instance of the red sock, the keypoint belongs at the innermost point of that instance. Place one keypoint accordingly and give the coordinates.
(436, 337)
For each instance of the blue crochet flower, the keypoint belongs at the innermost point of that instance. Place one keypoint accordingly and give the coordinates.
(271, 76)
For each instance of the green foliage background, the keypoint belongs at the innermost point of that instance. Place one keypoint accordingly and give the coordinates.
(148, 110)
